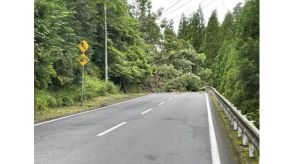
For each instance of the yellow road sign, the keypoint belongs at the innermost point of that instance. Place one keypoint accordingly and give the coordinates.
(84, 59)
(83, 46)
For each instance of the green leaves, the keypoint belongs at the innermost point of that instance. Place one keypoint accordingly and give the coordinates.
(231, 53)
(236, 66)
(192, 29)
(224, 55)
(211, 40)
(60, 25)
(185, 82)
(53, 44)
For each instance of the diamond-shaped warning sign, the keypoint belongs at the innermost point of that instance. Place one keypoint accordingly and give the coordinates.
(83, 46)
(84, 59)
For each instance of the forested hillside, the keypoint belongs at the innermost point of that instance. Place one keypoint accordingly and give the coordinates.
(143, 55)
(232, 51)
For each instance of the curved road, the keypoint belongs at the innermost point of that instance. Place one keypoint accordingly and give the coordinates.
(161, 128)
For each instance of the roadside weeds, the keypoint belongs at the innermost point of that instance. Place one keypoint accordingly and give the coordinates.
(97, 102)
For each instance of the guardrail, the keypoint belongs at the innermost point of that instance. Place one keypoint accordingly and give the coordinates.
(246, 129)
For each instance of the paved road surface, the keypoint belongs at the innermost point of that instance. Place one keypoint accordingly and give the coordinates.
(162, 128)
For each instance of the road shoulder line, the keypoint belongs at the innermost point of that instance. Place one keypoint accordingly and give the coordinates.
(90, 110)
(213, 143)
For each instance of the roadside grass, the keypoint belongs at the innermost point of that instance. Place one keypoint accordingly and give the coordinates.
(100, 101)
(242, 151)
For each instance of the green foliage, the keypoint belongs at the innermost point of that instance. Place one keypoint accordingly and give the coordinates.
(224, 55)
(61, 25)
(68, 96)
(192, 29)
(185, 82)
(176, 58)
(211, 40)
(54, 44)
(236, 66)
(227, 28)
(169, 72)
(231, 62)
(150, 30)
(40, 100)
(205, 74)
(94, 87)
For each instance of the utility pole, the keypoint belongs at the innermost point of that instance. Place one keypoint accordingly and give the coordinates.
(105, 24)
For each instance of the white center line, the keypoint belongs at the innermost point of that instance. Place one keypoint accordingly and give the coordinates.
(213, 143)
(161, 103)
(146, 111)
(111, 129)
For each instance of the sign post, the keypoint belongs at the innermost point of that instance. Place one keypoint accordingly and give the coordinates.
(83, 60)
(82, 98)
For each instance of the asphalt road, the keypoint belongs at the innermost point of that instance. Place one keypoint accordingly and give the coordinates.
(163, 128)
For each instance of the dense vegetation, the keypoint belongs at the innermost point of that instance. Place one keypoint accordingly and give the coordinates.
(232, 52)
(144, 55)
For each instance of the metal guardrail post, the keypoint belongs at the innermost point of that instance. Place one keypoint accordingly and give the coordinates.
(244, 139)
(235, 125)
(239, 132)
(251, 150)
(232, 121)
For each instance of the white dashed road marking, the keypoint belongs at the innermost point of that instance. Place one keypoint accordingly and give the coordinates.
(161, 103)
(146, 111)
(111, 129)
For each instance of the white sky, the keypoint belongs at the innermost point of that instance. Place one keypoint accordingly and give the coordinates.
(190, 6)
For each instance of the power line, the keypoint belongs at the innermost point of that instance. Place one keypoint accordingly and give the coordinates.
(175, 21)
(179, 7)
(172, 6)
(208, 4)
(181, 15)
(193, 8)
(186, 10)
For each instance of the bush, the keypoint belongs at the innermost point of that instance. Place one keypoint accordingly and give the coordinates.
(51, 100)
(67, 100)
(111, 88)
(40, 101)
(67, 96)
(94, 87)
(186, 82)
